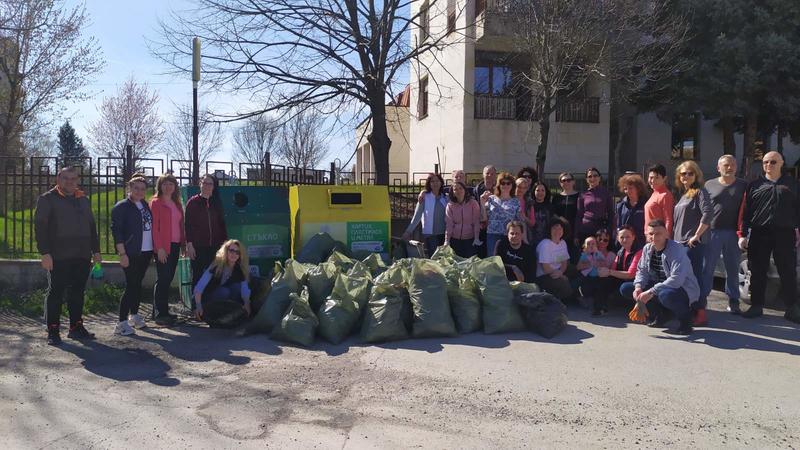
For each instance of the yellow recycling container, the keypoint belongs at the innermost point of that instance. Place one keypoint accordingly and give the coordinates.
(358, 216)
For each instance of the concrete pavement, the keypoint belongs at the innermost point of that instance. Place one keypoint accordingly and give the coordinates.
(603, 383)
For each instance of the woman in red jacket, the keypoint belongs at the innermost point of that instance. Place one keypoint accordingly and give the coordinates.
(168, 240)
(205, 226)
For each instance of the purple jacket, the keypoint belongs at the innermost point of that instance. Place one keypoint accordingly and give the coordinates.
(595, 211)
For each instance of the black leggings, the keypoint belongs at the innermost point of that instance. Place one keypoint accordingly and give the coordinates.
(166, 272)
(134, 274)
(68, 276)
(203, 258)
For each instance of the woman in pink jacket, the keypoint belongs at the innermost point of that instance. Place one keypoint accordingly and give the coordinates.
(462, 222)
(168, 242)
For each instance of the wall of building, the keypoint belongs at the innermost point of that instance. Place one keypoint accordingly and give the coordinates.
(397, 125)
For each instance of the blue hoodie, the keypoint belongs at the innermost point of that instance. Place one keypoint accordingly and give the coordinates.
(677, 267)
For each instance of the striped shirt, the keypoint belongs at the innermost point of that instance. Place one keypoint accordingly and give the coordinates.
(657, 267)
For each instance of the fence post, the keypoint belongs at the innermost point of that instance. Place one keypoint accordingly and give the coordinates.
(333, 173)
(267, 169)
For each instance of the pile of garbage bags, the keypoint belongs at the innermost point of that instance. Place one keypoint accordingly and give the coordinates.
(326, 293)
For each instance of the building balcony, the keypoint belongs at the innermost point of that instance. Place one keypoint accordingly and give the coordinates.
(492, 23)
(579, 110)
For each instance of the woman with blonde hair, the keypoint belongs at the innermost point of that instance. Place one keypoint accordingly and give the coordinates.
(226, 279)
(168, 242)
(692, 217)
(499, 209)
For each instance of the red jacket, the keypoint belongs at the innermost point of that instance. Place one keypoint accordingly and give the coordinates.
(162, 225)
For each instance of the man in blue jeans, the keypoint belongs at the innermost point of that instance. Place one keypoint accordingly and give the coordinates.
(664, 280)
(727, 194)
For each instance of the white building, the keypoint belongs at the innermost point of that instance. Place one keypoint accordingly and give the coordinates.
(398, 120)
(465, 113)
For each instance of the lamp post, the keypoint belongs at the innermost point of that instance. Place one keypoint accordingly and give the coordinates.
(195, 129)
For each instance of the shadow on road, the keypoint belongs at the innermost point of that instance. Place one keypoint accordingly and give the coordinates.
(121, 364)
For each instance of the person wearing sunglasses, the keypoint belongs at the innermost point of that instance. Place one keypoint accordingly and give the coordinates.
(769, 227)
(225, 280)
(595, 207)
(498, 210)
(530, 174)
(692, 217)
(565, 205)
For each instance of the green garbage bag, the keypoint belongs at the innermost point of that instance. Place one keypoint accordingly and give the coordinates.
(343, 262)
(397, 273)
(299, 324)
(519, 288)
(341, 311)
(320, 280)
(500, 314)
(383, 317)
(339, 246)
(465, 301)
(427, 289)
(376, 264)
(445, 255)
(295, 275)
(274, 307)
(360, 270)
(317, 249)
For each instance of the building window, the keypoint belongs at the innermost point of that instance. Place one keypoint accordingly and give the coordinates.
(422, 102)
(493, 80)
(685, 136)
(451, 16)
(424, 22)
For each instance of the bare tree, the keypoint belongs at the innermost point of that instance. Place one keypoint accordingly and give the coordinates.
(128, 118)
(178, 136)
(632, 46)
(336, 56)
(256, 136)
(301, 142)
(45, 62)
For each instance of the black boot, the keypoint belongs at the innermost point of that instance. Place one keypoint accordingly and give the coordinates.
(753, 312)
(53, 335)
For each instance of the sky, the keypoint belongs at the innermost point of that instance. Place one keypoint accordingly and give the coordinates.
(122, 29)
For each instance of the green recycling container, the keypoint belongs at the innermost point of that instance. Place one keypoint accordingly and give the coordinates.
(258, 216)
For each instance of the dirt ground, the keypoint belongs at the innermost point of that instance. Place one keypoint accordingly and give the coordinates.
(602, 383)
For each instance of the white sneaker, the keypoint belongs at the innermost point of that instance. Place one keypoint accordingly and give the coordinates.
(123, 329)
(136, 321)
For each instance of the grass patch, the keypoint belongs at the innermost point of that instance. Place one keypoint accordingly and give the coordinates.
(98, 299)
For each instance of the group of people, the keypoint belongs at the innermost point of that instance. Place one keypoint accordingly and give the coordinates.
(647, 247)
(160, 229)
(579, 246)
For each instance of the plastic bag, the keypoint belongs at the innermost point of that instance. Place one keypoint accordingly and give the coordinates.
(295, 275)
(396, 274)
(384, 315)
(299, 325)
(320, 280)
(341, 311)
(317, 249)
(375, 264)
(445, 255)
(224, 314)
(274, 307)
(544, 313)
(360, 270)
(343, 262)
(465, 301)
(427, 290)
(500, 314)
(519, 288)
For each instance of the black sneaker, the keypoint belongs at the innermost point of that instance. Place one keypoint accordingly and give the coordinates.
(165, 320)
(734, 308)
(78, 331)
(53, 336)
(657, 322)
(599, 312)
(683, 329)
(753, 312)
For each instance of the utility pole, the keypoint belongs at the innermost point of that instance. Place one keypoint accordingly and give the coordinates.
(195, 129)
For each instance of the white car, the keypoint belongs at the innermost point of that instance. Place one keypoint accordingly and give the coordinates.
(773, 280)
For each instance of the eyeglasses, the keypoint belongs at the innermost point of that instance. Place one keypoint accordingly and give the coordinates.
(687, 174)
(602, 239)
(506, 183)
(233, 250)
(770, 162)
(594, 175)
(566, 180)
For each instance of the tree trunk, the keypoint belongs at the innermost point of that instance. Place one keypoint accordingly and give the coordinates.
(781, 132)
(749, 145)
(380, 143)
(728, 142)
(544, 134)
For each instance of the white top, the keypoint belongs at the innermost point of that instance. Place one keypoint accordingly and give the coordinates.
(548, 252)
(147, 228)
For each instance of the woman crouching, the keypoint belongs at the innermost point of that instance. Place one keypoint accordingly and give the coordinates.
(225, 280)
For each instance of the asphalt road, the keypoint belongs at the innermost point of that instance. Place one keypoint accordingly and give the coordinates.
(603, 383)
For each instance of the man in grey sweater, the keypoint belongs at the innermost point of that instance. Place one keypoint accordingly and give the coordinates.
(727, 195)
(66, 236)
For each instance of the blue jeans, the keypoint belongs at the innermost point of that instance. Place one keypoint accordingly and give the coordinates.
(491, 241)
(697, 258)
(675, 300)
(432, 242)
(727, 243)
(232, 292)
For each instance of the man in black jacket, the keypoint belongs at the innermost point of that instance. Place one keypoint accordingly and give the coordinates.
(67, 239)
(769, 227)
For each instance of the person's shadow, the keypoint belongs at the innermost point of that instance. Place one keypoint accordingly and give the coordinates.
(121, 364)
